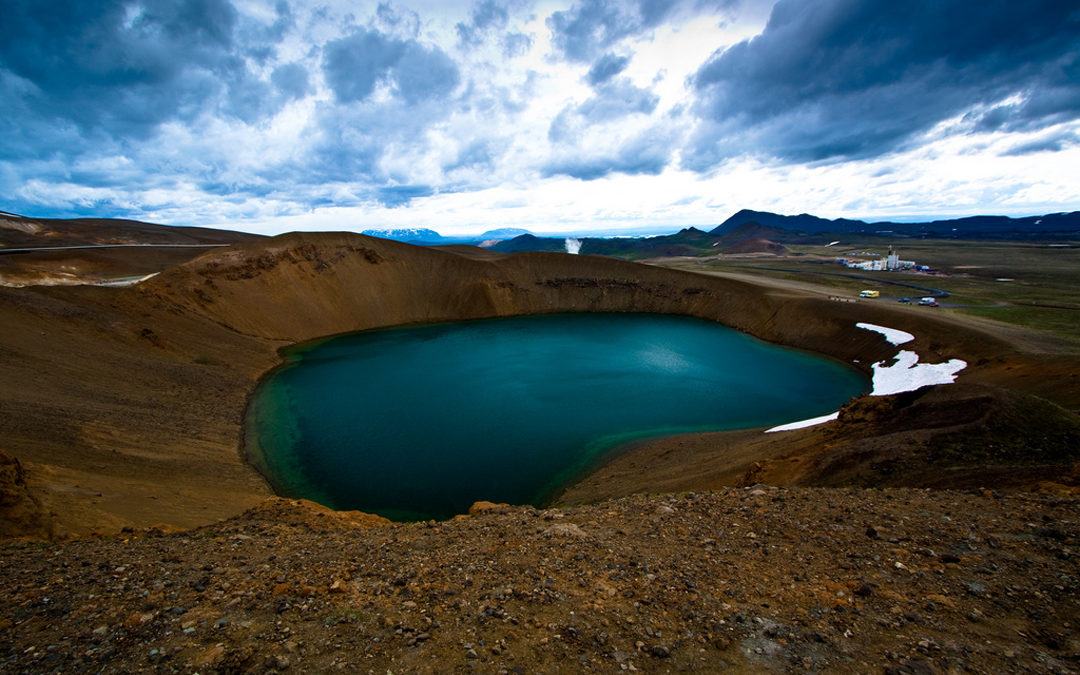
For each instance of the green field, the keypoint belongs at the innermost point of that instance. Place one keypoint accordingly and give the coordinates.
(1033, 285)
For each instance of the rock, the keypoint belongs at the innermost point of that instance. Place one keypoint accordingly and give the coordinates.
(485, 507)
(659, 651)
(864, 589)
(210, 656)
(21, 514)
(566, 530)
(276, 662)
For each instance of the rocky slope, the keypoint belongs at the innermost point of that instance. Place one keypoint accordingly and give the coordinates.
(18, 231)
(122, 408)
(741, 580)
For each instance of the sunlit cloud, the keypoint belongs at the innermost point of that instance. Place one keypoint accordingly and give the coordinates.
(570, 116)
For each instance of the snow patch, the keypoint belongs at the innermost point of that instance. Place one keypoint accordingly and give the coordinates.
(805, 423)
(892, 336)
(906, 374)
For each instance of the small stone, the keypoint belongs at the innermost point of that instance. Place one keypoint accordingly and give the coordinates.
(276, 662)
(209, 657)
(659, 651)
(566, 530)
(483, 506)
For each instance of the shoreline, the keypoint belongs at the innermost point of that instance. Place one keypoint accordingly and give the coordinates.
(141, 417)
(266, 406)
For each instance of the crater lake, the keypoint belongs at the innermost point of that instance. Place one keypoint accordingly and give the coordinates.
(419, 422)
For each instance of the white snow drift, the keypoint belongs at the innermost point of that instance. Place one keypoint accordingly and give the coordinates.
(905, 374)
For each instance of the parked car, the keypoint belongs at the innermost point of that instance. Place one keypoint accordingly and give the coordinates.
(904, 300)
(928, 302)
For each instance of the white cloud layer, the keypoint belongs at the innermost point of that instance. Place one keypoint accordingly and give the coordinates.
(580, 115)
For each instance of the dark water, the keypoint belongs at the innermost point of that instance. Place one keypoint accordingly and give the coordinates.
(420, 422)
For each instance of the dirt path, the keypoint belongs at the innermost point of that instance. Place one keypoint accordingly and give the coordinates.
(1024, 339)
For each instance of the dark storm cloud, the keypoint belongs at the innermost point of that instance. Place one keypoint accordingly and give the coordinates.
(478, 154)
(350, 141)
(613, 100)
(617, 99)
(259, 40)
(859, 78)
(400, 21)
(606, 67)
(291, 79)
(424, 73)
(591, 26)
(515, 44)
(646, 153)
(1052, 143)
(120, 68)
(354, 65)
(486, 15)
(401, 195)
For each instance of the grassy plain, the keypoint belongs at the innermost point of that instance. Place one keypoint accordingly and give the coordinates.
(1032, 285)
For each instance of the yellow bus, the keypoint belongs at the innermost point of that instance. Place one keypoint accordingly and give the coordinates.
(869, 294)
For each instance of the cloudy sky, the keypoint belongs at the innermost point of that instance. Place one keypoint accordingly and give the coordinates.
(578, 115)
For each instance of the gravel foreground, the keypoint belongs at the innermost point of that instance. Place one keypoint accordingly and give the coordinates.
(756, 580)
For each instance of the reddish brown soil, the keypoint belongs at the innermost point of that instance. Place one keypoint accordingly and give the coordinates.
(125, 405)
(741, 580)
(122, 408)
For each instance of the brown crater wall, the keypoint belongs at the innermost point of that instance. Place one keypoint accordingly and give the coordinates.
(125, 406)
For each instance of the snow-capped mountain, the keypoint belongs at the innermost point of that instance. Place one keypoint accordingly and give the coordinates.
(412, 235)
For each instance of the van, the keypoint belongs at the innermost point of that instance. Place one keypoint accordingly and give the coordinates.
(928, 302)
(869, 294)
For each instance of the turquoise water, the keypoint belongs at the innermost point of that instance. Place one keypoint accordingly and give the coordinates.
(420, 422)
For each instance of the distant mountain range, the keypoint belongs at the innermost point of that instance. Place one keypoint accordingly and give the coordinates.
(980, 227)
(763, 232)
(411, 235)
(750, 231)
(503, 233)
(745, 232)
(428, 237)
